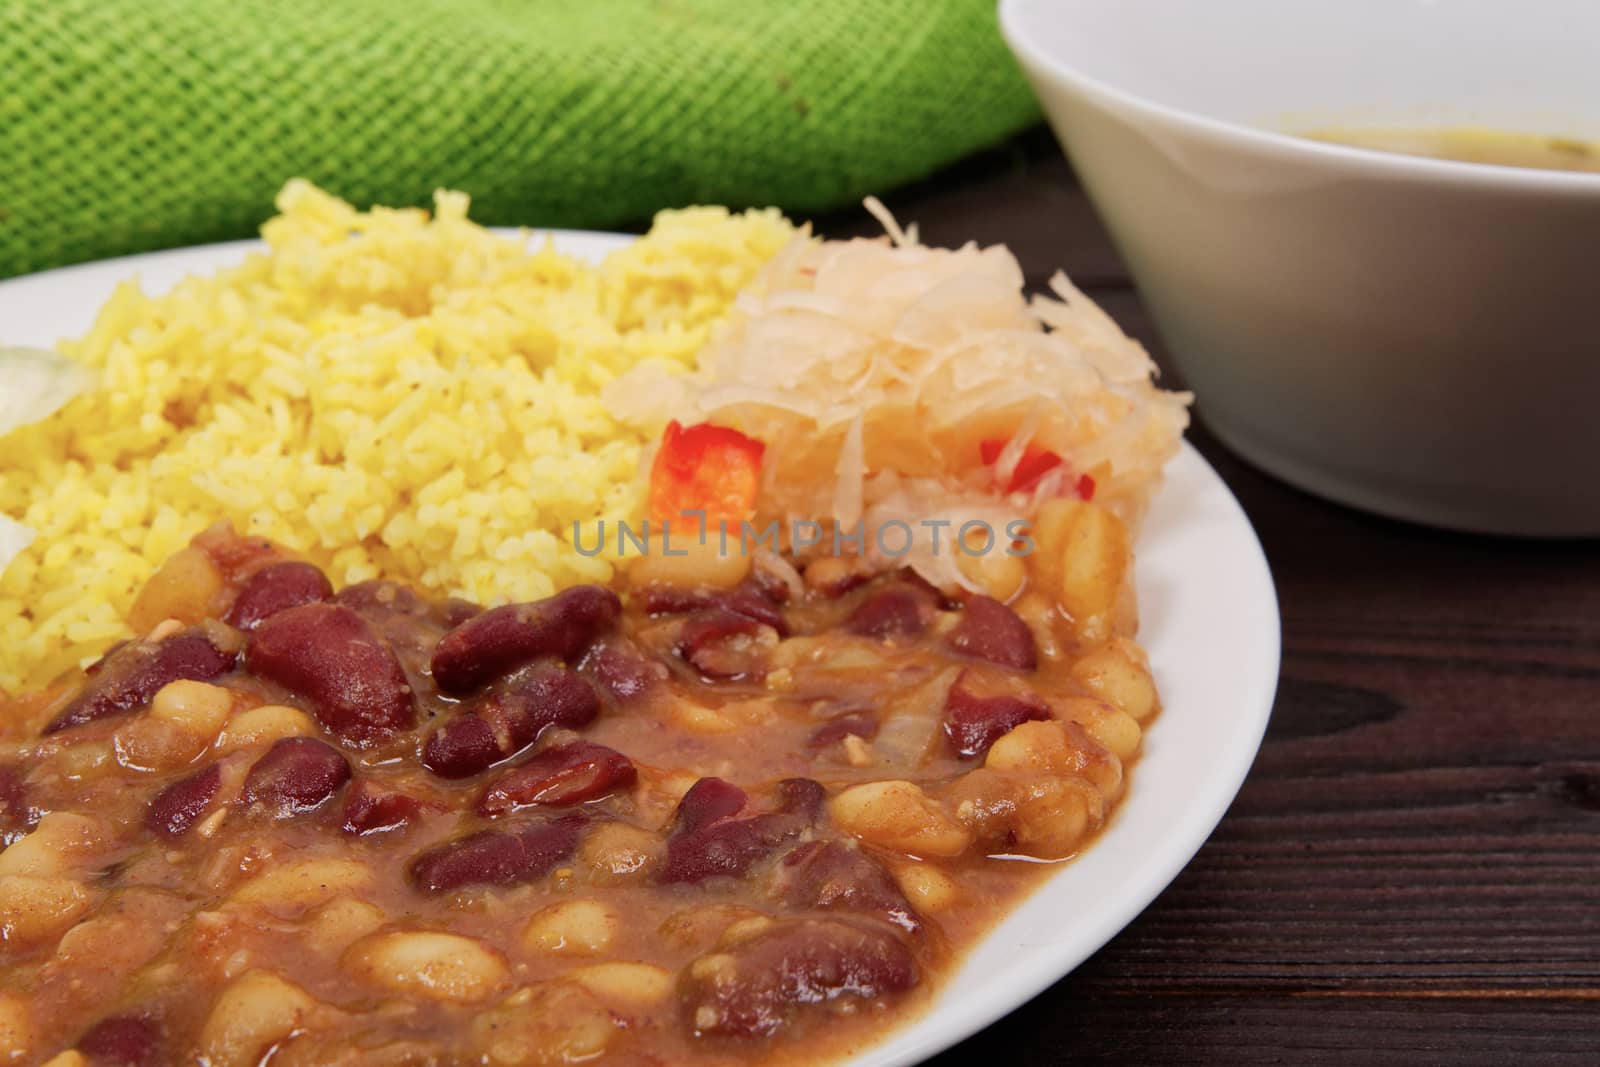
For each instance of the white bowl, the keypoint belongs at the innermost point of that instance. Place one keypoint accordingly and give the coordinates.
(1416, 337)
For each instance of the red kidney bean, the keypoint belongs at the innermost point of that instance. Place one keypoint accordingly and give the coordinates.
(621, 671)
(899, 609)
(462, 747)
(277, 587)
(746, 600)
(138, 671)
(730, 847)
(661, 599)
(508, 719)
(498, 857)
(559, 776)
(329, 655)
(709, 800)
(489, 645)
(121, 1041)
(790, 964)
(973, 723)
(851, 723)
(708, 640)
(751, 603)
(180, 805)
(832, 874)
(706, 841)
(296, 775)
(989, 630)
(541, 696)
(371, 809)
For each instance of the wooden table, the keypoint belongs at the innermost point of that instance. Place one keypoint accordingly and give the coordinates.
(1411, 874)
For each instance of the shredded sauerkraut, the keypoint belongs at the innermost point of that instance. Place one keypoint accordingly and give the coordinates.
(875, 370)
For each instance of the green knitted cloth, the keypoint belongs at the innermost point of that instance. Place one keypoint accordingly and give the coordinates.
(136, 124)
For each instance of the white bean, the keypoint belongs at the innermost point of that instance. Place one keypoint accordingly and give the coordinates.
(927, 887)
(573, 927)
(264, 725)
(34, 909)
(899, 815)
(197, 707)
(300, 884)
(1118, 672)
(427, 963)
(256, 1011)
(16, 1029)
(61, 841)
(629, 984)
(550, 1023)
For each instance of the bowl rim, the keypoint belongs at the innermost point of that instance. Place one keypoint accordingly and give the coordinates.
(1353, 161)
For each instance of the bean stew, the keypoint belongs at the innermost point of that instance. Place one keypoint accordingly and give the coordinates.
(748, 814)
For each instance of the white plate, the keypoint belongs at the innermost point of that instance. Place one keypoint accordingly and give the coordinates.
(1210, 623)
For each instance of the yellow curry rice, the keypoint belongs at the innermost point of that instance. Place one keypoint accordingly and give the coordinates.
(388, 392)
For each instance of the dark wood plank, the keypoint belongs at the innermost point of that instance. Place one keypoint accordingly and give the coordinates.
(1001, 195)
(1409, 875)
(1086, 1027)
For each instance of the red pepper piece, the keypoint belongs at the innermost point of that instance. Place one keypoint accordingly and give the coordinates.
(705, 467)
(1035, 463)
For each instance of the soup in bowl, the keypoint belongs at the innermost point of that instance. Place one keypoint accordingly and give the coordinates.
(1410, 335)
